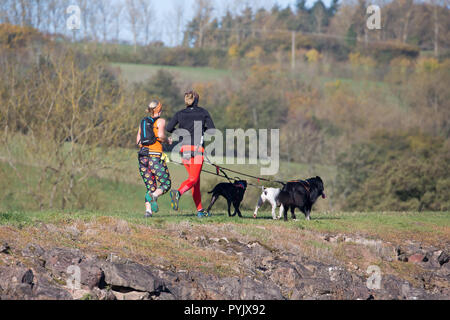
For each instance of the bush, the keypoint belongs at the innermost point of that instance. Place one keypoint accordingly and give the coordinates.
(385, 52)
(396, 172)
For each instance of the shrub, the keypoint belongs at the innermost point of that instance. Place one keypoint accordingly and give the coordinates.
(396, 172)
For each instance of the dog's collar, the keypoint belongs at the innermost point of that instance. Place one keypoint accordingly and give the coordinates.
(239, 185)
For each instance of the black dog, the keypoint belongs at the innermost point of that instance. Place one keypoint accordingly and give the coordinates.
(300, 194)
(233, 192)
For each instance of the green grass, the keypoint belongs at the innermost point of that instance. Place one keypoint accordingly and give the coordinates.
(433, 227)
(120, 192)
(121, 188)
(141, 72)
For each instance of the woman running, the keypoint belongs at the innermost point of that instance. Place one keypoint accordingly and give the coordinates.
(195, 120)
(152, 168)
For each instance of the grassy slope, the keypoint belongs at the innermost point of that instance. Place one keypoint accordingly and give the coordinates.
(137, 72)
(121, 188)
(169, 239)
(161, 240)
(426, 227)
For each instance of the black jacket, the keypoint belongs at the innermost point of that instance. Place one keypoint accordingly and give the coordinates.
(192, 119)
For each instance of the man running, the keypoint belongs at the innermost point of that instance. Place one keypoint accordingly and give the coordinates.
(196, 121)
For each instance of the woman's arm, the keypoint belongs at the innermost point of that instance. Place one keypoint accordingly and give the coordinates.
(161, 130)
(138, 137)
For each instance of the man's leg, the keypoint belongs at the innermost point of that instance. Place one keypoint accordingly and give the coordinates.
(197, 195)
(194, 168)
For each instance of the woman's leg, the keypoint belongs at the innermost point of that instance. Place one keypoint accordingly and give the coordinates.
(162, 176)
(148, 178)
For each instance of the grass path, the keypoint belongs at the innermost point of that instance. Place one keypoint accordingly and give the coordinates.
(431, 228)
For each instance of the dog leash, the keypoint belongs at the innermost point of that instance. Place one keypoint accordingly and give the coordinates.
(222, 169)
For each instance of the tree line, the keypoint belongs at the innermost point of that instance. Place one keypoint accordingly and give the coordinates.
(424, 24)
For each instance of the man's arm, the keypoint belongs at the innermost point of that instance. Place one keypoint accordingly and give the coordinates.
(170, 127)
(209, 123)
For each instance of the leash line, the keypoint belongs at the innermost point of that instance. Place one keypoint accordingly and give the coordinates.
(221, 170)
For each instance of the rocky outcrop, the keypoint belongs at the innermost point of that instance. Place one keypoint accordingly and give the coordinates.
(265, 273)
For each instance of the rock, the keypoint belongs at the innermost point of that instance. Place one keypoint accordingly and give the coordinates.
(83, 294)
(12, 276)
(416, 258)
(122, 227)
(285, 276)
(28, 277)
(90, 232)
(20, 291)
(5, 248)
(132, 295)
(51, 228)
(45, 290)
(33, 251)
(252, 289)
(132, 276)
(443, 258)
(402, 255)
(104, 294)
(73, 231)
(59, 259)
(91, 275)
(165, 296)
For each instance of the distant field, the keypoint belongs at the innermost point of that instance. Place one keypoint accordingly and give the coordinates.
(138, 72)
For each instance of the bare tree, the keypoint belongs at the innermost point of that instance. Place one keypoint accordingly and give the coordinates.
(117, 10)
(39, 9)
(175, 19)
(68, 118)
(104, 14)
(83, 5)
(146, 14)
(203, 15)
(133, 17)
(4, 11)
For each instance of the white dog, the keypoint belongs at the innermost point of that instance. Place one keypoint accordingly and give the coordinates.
(270, 195)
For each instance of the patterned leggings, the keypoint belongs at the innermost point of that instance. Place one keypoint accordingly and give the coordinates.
(154, 170)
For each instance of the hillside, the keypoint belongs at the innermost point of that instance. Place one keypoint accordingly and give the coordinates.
(141, 72)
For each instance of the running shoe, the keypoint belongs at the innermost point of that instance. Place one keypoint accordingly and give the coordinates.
(149, 197)
(175, 198)
(203, 214)
(148, 214)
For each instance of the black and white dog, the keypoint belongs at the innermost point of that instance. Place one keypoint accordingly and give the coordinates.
(270, 195)
(300, 194)
(233, 192)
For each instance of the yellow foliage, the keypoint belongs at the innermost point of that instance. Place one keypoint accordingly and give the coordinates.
(401, 63)
(427, 65)
(233, 51)
(256, 53)
(357, 60)
(12, 36)
(334, 85)
(313, 56)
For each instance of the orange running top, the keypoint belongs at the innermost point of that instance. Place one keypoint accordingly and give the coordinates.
(157, 146)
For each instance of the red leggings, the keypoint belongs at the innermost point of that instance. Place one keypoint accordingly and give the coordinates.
(194, 168)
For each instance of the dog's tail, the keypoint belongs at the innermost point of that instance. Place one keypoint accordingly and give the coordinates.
(212, 191)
